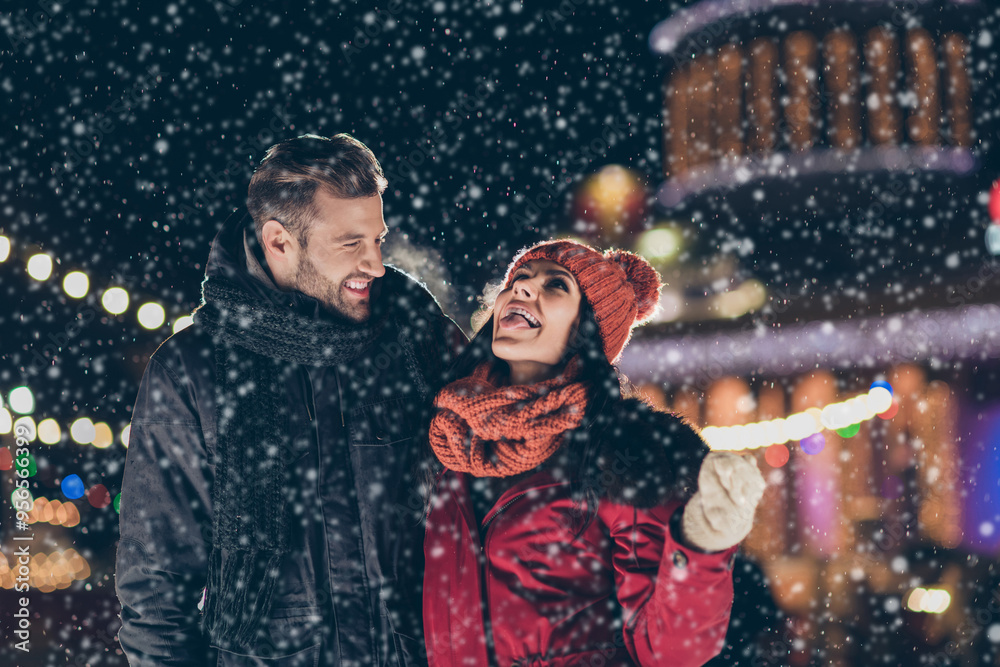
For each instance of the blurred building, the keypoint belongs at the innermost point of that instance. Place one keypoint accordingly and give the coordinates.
(828, 169)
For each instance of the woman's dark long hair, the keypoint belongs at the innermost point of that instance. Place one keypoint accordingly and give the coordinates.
(576, 461)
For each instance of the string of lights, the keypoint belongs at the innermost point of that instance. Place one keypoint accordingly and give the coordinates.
(844, 418)
(76, 284)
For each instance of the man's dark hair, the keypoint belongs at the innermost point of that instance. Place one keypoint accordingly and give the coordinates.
(284, 186)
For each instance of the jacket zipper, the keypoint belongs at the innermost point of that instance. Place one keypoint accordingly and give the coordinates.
(487, 618)
(340, 395)
(500, 511)
(310, 397)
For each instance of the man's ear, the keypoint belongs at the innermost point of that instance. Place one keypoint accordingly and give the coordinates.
(281, 250)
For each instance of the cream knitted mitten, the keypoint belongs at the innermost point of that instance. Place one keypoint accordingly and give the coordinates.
(720, 513)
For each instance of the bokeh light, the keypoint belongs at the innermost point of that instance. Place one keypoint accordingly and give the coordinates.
(849, 431)
(993, 239)
(151, 315)
(994, 205)
(776, 455)
(183, 322)
(4, 248)
(82, 431)
(103, 437)
(22, 401)
(883, 384)
(24, 427)
(879, 399)
(814, 444)
(660, 244)
(49, 431)
(26, 464)
(614, 198)
(928, 600)
(76, 284)
(891, 412)
(115, 300)
(72, 487)
(98, 496)
(40, 266)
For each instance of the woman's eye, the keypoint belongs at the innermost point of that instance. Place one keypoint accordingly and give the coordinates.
(559, 284)
(518, 277)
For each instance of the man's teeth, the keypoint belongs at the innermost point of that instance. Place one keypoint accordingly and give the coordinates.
(356, 284)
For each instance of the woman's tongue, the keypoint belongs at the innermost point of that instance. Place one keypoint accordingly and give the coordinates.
(515, 321)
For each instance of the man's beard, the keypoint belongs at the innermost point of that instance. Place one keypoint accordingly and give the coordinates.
(330, 295)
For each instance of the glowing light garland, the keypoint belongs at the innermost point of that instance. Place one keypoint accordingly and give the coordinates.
(116, 301)
(843, 417)
(151, 315)
(49, 432)
(47, 572)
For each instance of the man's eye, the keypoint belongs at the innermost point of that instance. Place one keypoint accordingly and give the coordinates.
(352, 245)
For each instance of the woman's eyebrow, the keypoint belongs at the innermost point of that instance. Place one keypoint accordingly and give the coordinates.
(559, 272)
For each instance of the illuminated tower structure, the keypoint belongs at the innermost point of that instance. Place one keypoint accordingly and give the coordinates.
(841, 153)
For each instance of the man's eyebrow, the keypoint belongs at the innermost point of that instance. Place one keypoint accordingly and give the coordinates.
(350, 236)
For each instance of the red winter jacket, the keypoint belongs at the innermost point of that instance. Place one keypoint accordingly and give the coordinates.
(624, 592)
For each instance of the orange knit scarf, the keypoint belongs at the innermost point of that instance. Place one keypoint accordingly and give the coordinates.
(492, 431)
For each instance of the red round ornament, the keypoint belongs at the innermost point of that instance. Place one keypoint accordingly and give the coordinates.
(995, 202)
(98, 496)
(891, 412)
(776, 455)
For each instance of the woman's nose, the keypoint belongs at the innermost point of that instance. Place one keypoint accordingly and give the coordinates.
(524, 287)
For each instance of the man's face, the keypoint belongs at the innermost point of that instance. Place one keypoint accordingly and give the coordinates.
(343, 255)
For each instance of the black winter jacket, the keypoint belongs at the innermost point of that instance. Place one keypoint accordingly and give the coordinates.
(349, 591)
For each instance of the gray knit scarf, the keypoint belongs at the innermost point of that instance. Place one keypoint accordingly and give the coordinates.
(256, 344)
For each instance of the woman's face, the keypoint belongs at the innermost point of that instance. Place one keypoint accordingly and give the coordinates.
(534, 319)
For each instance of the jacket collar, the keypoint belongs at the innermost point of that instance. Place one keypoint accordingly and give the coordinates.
(237, 255)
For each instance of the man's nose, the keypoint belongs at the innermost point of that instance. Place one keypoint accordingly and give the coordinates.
(371, 263)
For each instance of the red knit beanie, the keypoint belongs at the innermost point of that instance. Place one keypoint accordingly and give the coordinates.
(621, 287)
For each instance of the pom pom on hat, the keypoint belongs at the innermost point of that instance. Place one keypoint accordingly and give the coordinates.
(621, 287)
(644, 279)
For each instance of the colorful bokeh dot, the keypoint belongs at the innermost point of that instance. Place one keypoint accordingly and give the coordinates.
(98, 496)
(118, 503)
(891, 412)
(6, 459)
(776, 455)
(881, 383)
(814, 444)
(72, 487)
(994, 205)
(31, 467)
(849, 431)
